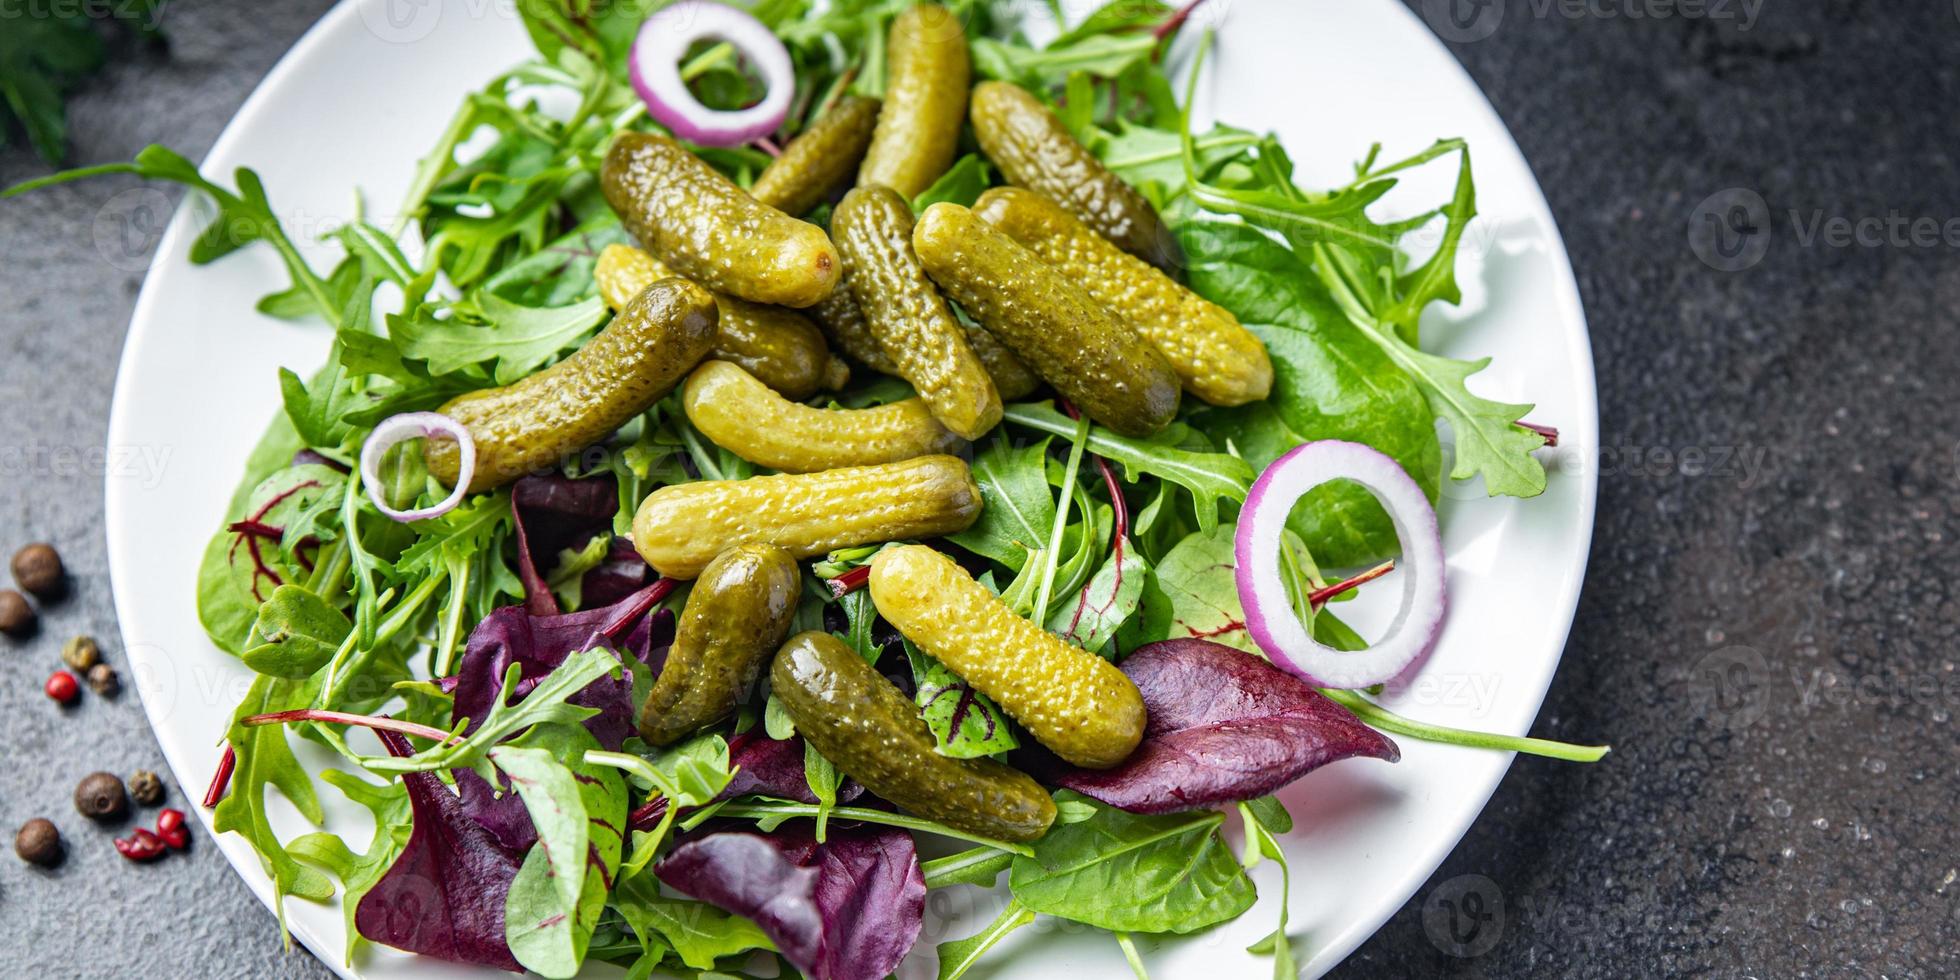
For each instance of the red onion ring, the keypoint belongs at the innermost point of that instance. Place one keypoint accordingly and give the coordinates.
(1270, 617)
(397, 429)
(654, 65)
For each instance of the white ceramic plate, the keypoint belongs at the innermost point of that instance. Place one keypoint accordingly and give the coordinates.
(371, 85)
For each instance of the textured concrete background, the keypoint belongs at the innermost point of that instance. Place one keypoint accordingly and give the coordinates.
(1768, 628)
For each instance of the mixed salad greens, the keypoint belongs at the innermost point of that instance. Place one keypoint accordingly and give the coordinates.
(500, 649)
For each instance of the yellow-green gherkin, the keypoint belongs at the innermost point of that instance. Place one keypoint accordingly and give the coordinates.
(622, 371)
(680, 528)
(911, 321)
(1067, 338)
(741, 415)
(927, 70)
(1219, 360)
(711, 231)
(735, 617)
(1072, 701)
(820, 159)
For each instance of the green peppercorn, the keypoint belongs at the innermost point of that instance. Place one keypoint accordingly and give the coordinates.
(16, 616)
(38, 843)
(146, 788)
(103, 680)
(37, 568)
(80, 653)
(100, 796)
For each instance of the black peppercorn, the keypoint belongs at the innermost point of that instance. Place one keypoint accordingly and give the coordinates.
(100, 796)
(38, 843)
(146, 788)
(103, 681)
(80, 653)
(37, 568)
(16, 616)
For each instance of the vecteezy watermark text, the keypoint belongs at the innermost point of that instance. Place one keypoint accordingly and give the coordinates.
(1464, 21)
(1731, 229)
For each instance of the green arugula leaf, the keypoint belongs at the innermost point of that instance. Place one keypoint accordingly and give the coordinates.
(544, 705)
(520, 339)
(1103, 55)
(958, 956)
(358, 873)
(265, 761)
(698, 932)
(1014, 523)
(961, 184)
(1131, 873)
(1211, 477)
(1264, 818)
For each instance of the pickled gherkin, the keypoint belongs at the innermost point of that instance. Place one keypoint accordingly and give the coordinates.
(679, 529)
(1219, 360)
(735, 617)
(741, 415)
(1072, 701)
(910, 320)
(843, 323)
(927, 71)
(780, 346)
(1065, 337)
(1035, 150)
(711, 231)
(622, 371)
(873, 733)
(820, 159)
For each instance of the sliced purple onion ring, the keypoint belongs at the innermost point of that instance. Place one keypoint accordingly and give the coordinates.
(655, 66)
(397, 429)
(1271, 619)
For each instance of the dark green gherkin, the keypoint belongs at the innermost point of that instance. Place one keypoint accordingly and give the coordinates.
(874, 734)
(1035, 150)
(1056, 329)
(738, 613)
(820, 159)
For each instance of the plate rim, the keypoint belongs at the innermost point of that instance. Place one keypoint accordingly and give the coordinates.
(121, 544)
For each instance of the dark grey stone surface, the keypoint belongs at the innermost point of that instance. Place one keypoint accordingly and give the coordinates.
(1767, 633)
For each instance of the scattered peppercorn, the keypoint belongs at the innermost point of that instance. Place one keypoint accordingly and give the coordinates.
(80, 653)
(37, 568)
(16, 616)
(146, 788)
(38, 843)
(62, 687)
(171, 827)
(141, 846)
(103, 681)
(100, 796)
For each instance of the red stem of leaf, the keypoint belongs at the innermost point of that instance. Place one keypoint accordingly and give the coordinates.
(849, 582)
(648, 815)
(221, 780)
(1550, 433)
(1172, 23)
(377, 722)
(1319, 597)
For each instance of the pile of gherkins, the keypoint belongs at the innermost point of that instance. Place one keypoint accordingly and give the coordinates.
(737, 301)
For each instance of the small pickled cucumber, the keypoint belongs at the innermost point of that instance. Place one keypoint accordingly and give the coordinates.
(874, 734)
(1066, 338)
(680, 528)
(820, 159)
(635, 361)
(1219, 360)
(911, 321)
(1012, 379)
(1036, 151)
(741, 415)
(710, 230)
(781, 347)
(927, 70)
(735, 617)
(1072, 701)
(843, 322)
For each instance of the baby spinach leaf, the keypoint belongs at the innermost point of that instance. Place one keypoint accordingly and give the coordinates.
(1211, 477)
(1130, 873)
(961, 184)
(1329, 382)
(978, 866)
(1015, 521)
(697, 932)
(958, 956)
(555, 900)
(296, 633)
(1152, 159)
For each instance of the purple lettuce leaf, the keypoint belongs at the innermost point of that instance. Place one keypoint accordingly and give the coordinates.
(847, 909)
(444, 895)
(768, 767)
(554, 513)
(1224, 726)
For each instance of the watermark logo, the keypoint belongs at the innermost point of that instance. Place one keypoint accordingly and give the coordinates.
(129, 225)
(1465, 21)
(401, 21)
(1729, 231)
(1464, 916)
(1730, 688)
